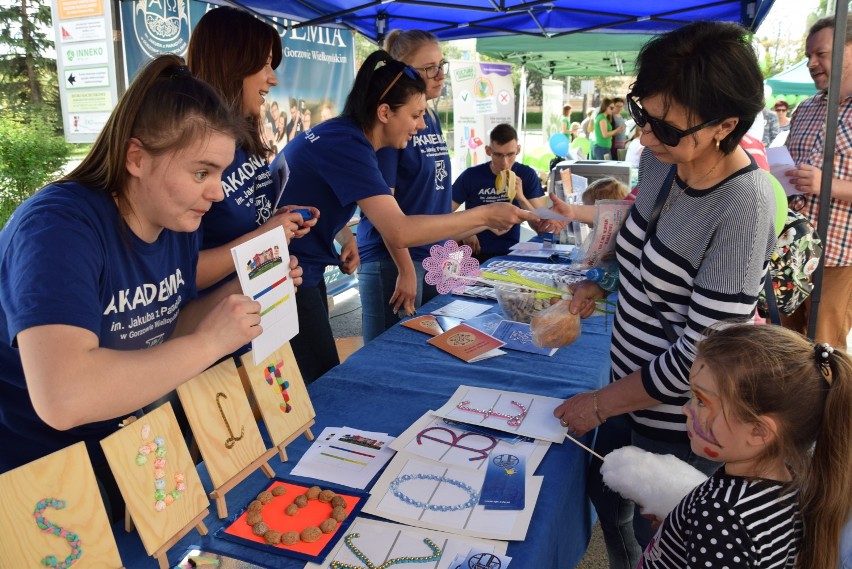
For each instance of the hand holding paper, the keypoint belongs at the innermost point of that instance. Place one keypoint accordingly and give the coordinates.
(781, 162)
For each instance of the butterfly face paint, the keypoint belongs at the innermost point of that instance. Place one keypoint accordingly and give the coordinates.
(701, 412)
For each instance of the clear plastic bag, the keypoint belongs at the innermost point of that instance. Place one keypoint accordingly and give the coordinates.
(555, 326)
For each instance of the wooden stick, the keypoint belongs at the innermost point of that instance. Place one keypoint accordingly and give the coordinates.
(583, 446)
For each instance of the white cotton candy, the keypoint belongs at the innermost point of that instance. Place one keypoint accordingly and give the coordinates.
(657, 482)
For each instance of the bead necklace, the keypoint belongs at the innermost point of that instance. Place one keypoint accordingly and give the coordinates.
(436, 554)
(513, 420)
(673, 197)
(471, 502)
(49, 527)
(310, 534)
(157, 447)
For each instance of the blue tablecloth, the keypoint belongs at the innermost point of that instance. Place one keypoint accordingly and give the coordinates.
(391, 382)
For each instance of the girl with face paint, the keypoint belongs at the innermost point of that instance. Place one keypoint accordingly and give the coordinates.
(774, 409)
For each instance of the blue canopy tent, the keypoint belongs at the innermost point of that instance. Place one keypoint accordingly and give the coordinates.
(450, 19)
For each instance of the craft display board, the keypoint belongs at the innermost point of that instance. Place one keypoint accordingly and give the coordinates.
(160, 521)
(314, 513)
(433, 438)
(509, 411)
(281, 395)
(64, 476)
(381, 541)
(224, 428)
(444, 488)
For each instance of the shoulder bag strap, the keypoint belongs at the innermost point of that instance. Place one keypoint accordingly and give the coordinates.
(652, 228)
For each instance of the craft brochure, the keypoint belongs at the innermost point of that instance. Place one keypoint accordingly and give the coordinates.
(503, 487)
(380, 542)
(263, 267)
(345, 456)
(520, 413)
(432, 496)
(462, 309)
(479, 559)
(468, 344)
(465, 446)
(486, 323)
(427, 324)
(518, 336)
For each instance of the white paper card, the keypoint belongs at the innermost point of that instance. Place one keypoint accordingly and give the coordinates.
(519, 413)
(781, 161)
(381, 541)
(462, 309)
(263, 267)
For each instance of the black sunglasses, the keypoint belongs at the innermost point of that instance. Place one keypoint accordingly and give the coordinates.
(665, 133)
(408, 70)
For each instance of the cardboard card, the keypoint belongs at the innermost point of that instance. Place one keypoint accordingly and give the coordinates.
(468, 344)
(427, 324)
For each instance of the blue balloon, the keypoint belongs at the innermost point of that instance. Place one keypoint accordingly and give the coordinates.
(559, 144)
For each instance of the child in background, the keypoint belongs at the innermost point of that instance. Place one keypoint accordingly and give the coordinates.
(762, 398)
(604, 189)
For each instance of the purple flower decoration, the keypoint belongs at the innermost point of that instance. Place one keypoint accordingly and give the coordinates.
(448, 265)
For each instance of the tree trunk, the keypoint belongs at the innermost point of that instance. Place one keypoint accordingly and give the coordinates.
(32, 80)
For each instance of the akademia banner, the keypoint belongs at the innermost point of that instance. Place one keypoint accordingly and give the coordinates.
(316, 72)
(483, 97)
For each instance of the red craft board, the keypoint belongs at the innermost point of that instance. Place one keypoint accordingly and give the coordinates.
(273, 514)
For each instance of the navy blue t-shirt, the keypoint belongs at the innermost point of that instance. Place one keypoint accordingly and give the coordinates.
(67, 257)
(420, 175)
(250, 199)
(332, 166)
(475, 187)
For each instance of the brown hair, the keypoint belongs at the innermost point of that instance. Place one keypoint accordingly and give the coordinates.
(401, 45)
(773, 371)
(166, 109)
(604, 189)
(226, 46)
(605, 103)
(828, 22)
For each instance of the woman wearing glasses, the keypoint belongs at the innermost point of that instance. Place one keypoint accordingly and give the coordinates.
(692, 252)
(334, 167)
(604, 130)
(390, 280)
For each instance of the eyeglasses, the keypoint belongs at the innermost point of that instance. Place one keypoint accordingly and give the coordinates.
(434, 70)
(665, 133)
(501, 155)
(409, 71)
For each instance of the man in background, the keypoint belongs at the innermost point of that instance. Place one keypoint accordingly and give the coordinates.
(476, 186)
(805, 142)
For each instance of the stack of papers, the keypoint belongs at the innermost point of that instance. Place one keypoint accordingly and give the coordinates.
(346, 456)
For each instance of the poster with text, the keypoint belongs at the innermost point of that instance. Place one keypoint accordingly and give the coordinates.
(483, 97)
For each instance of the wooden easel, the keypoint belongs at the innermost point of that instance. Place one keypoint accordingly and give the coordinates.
(158, 530)
(282, 397)
(65, 475)
(224, 429)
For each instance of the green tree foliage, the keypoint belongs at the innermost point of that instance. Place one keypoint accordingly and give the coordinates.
(31, 154)
(27, 74)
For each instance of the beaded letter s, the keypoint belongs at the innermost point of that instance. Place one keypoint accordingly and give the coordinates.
(49, 527)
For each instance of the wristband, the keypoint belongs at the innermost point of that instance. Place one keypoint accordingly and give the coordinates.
(597, 410)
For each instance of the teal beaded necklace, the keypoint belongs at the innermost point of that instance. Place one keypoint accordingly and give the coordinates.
(436, 554)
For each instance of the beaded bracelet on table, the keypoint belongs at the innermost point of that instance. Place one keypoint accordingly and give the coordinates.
(436, 554)
(310, 534)
(472, 501)
(49, 527)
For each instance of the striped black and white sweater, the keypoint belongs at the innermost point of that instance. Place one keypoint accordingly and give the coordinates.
(729, 522)
(705, 263)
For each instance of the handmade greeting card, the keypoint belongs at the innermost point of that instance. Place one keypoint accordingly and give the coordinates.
(433, 496)
(295, 520)
(53, 514)
(263, 267)
(520, 413)
(465, 446)
(157, 479)
(468, 344)
(373, 543)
